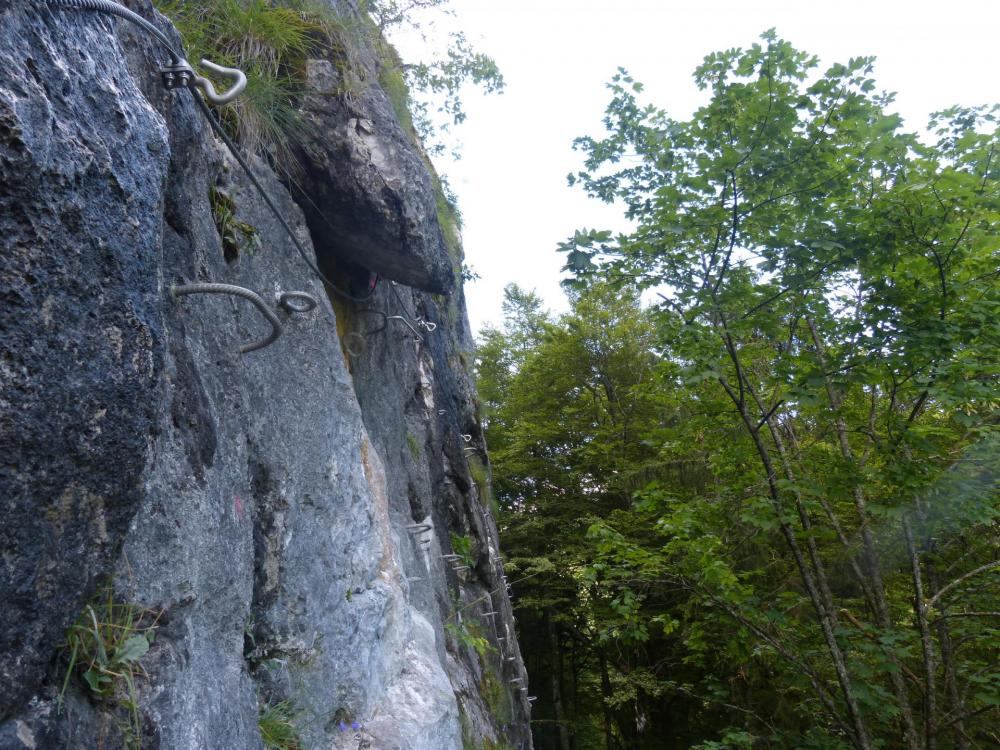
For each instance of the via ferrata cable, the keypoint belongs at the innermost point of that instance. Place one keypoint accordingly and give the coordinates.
(180, 67)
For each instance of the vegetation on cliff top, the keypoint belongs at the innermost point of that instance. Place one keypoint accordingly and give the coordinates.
(271, 41)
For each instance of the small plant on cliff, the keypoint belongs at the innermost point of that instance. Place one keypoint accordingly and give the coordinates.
(469, 635)
(277, 726)
(235, 234)
(105, 646)
(496, 695)
(462, 545)
(481, 477)
(413, 443)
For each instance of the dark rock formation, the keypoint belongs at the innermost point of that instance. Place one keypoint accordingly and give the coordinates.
(83, 160)
(377, 198)
(258, 502)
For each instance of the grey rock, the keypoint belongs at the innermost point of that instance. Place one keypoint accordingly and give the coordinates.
(373, 202)
(257, 502)
(81, 340)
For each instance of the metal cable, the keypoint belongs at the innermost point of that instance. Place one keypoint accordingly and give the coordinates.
(418, 319)
(234, 149)
(112, 8)
(236, 291)
(385, 322)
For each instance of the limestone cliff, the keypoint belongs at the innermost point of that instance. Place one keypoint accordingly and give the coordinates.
(288, 514)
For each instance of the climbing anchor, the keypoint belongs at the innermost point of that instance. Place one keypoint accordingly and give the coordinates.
(295, 302)
(180, 74)
(306, 302)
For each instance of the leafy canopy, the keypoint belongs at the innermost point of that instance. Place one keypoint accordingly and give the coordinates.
(795, 518)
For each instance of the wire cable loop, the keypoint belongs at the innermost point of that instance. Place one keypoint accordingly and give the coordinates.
(244, 293)
(236, 75)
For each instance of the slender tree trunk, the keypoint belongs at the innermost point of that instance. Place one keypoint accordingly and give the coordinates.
(804, 521)
(574, 672)
(875, 584)
(926, 642)
(606, 695)
(557, 676)
(956, 706)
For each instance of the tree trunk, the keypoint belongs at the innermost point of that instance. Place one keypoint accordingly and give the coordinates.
(557, 676)
(606, 695)
(927, 644)
(956, 706)
(875, 585)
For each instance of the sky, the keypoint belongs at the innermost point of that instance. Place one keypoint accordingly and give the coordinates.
(557, 56)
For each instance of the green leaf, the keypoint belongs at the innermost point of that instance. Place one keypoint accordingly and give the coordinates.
(96, 680)
(132, 649)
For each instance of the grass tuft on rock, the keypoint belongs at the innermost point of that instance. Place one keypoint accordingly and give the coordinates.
(270, 43)
(277, 726)
(104, 647)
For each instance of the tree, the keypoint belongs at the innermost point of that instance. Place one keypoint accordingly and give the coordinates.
(570, 404)
(433, 85)
(829, 286)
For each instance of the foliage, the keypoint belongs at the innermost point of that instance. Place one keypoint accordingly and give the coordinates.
(469, 636)
(276, 723)
(394, 84)
(413, 443)
(462, 545)
(441, 82)
(234, 234)
(481, 476)
(390, 13)
(496, 695)
(767, 505)
(449, 219)
(105, 647)
(438, 80)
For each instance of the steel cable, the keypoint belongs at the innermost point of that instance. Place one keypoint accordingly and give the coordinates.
(241, 160)
(237, 291)
(112, 8)
(106, 6)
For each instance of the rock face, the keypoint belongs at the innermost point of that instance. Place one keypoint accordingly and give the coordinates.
(288, 514)
(378, 199)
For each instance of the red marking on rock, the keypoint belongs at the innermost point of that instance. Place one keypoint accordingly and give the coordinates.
(238, 504)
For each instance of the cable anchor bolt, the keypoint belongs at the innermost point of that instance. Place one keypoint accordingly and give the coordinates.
(180, 74)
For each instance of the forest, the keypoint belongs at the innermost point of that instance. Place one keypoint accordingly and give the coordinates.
(748, 485)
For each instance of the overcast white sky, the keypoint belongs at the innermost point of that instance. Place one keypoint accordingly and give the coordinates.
(557, 56)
